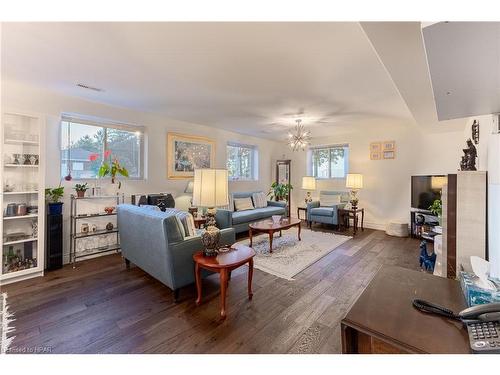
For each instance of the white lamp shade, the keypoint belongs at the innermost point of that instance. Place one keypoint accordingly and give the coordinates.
(210, 188)
(354, 181)
(437, 182)
(309, 183)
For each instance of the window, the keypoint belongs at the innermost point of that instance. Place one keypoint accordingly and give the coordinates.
(329, 161)
(85, 142)
(242, 162)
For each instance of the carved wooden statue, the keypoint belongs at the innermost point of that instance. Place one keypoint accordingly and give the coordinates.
(468, 162)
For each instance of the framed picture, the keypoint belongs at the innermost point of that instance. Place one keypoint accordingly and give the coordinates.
(388, 145)
(375, 155)
(375, 147)
(389, 155)
(185, 153)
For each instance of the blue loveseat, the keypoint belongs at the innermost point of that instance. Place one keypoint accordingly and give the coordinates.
(155, 241)
(316, 213)
(239, 220)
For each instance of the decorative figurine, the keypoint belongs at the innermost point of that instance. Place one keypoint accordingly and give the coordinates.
(426, 261)
(475, 131)
(468, 162)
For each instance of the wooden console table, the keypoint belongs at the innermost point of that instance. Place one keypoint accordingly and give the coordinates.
(383, 319)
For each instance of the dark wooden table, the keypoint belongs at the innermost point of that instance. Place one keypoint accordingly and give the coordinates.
(198, 221)
(301, 208)
(270, 227)
(383, 319)
(345, 214)
(224, 263)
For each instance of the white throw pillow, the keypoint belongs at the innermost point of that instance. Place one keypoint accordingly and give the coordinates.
(241, 204)
(329, 200)
(259, 200)
(191, 228)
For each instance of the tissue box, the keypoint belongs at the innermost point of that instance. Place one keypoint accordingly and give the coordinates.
(474, 294)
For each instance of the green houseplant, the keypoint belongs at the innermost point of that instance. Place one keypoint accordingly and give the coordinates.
(437, 209)
(112, 169)
(279, 191)
(81, 189)
(53, 197)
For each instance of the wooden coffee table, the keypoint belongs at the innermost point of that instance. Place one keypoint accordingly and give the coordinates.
(224, 263)
(268, 226)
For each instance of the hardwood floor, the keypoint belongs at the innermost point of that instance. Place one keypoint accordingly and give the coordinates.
(101, 307)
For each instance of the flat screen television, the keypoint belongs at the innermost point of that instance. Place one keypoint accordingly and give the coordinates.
(426, 189)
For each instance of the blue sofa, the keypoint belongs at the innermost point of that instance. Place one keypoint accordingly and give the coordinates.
(239, 220)
(326, 215)
(155, 242)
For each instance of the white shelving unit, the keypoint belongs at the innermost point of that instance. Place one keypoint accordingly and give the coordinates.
(22, 178)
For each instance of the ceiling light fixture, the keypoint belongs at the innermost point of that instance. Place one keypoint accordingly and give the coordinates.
(301, 138)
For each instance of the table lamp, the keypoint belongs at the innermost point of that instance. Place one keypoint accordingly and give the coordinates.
(189, 190)
(354, 181)
(308, 183)
(210, 189)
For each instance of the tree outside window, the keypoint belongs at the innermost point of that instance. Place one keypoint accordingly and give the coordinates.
(329, 162)
(83, 147)
(241, 161)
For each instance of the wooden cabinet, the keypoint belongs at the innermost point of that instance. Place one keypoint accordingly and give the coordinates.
(471, 214)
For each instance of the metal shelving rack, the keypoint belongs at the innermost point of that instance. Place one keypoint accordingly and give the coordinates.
(74, 236)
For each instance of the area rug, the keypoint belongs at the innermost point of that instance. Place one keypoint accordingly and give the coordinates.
(291, 256)
(6, 328)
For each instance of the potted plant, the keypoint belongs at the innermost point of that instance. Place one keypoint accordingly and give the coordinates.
(53, 197)
(437, 209)
(81, 189)
(112, 169)
(279, 191)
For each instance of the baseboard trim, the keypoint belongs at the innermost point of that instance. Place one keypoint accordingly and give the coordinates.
(376, 226)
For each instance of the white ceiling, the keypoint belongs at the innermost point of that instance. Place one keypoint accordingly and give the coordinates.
(464, 62)
(252, 78)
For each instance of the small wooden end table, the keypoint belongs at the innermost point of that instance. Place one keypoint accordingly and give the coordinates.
(270, 227)
(223, 264)
(199, 221)
(345, 214)
(301, 208)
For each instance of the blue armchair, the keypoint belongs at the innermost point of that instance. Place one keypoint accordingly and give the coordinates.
(155, 241)
(326, 214)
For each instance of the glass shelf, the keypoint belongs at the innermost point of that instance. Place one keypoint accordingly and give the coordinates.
(93, 215)
(21, 165)
(96, 233)
(96, 250)
(20, 217)
(20, 192)
(97, 197)
(31, 239)
(20, 142)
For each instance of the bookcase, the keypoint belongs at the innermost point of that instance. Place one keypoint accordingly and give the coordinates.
(22, 175)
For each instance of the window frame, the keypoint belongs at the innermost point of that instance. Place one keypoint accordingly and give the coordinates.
(105, 124)
(310, 163)
(254, 161)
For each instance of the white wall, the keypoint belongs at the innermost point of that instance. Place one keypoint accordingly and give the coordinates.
(50, 105)
(386, 192)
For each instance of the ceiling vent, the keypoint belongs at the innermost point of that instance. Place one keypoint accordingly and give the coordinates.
(84, 86)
